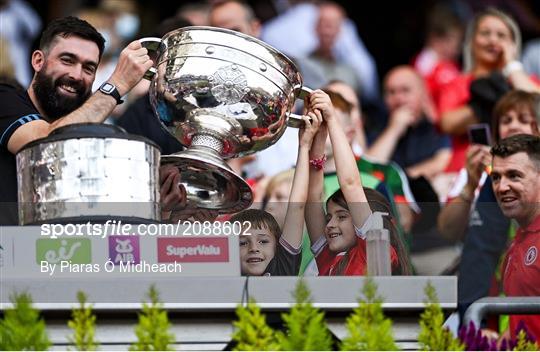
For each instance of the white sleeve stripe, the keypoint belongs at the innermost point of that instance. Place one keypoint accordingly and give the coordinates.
(288, 247)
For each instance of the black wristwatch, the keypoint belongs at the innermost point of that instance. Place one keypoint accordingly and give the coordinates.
(110, 89)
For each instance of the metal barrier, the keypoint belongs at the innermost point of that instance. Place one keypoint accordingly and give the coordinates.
(500, 305)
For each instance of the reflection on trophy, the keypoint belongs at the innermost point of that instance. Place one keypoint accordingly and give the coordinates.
(222, 94)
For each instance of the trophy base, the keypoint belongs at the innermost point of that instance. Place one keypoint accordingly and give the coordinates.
(209, 182)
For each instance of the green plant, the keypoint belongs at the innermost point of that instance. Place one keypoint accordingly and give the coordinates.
(524, 342)
(83, 324)
(252, 334)
(22, 328)
(433, 335)
(153, 328)
(368, 328)
(305, 327)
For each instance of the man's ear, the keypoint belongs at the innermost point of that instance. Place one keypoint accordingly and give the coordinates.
(38, 60)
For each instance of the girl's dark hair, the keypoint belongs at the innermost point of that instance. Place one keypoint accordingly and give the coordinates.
(71, 26)
(377, 202)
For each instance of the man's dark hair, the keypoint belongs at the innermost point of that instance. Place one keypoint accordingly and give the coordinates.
(519, 143)
(70, 26)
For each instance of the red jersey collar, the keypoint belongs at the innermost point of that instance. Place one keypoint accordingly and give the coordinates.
(533, 227)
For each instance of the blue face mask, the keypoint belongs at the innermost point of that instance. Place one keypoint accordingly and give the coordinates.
(127, 26)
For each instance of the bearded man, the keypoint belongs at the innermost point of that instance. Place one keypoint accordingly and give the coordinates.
(60, 94)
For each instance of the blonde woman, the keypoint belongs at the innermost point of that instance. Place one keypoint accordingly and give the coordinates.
(491, 68)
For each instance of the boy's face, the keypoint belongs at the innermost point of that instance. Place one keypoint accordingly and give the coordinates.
(256, 251)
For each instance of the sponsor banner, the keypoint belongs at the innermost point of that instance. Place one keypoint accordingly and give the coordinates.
(124, 249)
(30, 252)
(74, 250)
(193, 250)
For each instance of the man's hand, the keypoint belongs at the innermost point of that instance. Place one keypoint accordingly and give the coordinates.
(401, 119)
(133, 63)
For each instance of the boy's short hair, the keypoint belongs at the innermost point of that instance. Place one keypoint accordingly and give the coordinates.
(259, 219)
(70, 26)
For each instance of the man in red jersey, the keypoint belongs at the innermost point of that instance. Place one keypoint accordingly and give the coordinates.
(516, 184)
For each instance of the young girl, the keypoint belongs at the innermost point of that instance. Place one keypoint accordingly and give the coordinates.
(338, 237)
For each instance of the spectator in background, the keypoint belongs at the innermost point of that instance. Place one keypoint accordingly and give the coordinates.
(126, 18)
(531, 57)
(492, 47)
(437, 62)
(195, 13)
(19, 25)
(321, 65)
(410, 139)
(351, 114)
(293, 33)
(235, 15)
(516, 183)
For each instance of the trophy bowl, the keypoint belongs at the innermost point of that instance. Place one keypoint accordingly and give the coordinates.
(222, 94)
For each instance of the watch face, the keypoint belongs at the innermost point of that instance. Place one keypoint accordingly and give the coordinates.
(107, 87)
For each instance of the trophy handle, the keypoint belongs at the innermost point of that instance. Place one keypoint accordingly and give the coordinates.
(295, 120)
(153, 45)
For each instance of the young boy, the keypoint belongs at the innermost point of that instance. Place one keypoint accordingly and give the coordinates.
(267, 250)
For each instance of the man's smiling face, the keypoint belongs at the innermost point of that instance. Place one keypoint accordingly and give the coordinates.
(64, 81)
(516, 183)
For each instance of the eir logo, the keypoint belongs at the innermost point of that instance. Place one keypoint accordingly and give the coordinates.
(531, 255)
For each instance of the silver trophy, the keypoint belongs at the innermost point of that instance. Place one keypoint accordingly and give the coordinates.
(222, 94)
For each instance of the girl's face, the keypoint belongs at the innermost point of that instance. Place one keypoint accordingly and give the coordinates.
(491, 37)
(339, 231)
(516, 121)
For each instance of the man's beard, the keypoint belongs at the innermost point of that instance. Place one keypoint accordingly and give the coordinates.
(54, 103)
